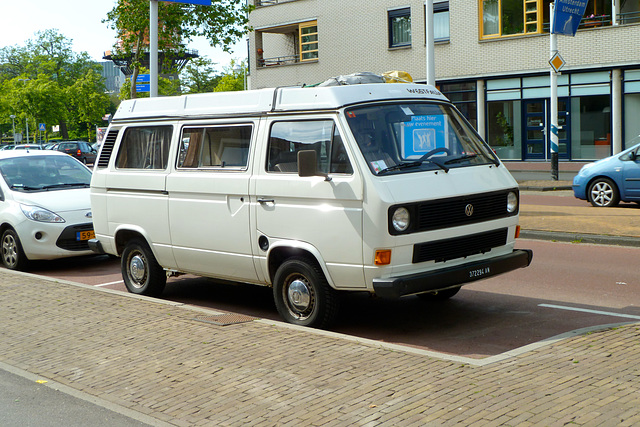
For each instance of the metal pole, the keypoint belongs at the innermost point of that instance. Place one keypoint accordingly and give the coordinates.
(431, 66)
(554, 102)
(13, 126)
(153, 48)
(26, 119)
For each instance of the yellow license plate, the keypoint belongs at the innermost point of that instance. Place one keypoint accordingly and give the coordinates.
(85, 235)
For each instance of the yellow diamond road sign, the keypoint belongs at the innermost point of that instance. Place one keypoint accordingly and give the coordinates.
(557, 62)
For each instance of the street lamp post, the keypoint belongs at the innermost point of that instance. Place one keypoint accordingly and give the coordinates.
(13, 126)
(26, 119)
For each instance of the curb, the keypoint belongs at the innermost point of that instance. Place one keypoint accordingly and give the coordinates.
(549, 188)
(580, 238)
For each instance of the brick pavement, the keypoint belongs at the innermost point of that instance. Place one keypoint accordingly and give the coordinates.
(155, 358)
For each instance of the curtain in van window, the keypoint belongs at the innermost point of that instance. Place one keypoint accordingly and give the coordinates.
(145, 148)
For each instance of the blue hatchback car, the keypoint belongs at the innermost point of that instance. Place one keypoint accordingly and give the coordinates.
(608, 181)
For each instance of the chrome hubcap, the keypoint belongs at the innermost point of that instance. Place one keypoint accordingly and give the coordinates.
(137, 268)
(299, 295)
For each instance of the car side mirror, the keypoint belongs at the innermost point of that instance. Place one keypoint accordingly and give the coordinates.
(633, 156)
(308, 164)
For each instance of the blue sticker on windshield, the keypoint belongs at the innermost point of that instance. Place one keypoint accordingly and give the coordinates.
(423, 134)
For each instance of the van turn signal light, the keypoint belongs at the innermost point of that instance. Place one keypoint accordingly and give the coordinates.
(383, 257)
(517, 231)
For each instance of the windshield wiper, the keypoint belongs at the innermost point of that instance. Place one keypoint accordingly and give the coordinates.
(24, 187)
(461, 158)
(68, 184)
(399, 166)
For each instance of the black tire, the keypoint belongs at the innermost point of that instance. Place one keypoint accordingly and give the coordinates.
(303, 296)
(13, 256)
(603, 193)
(140, 270)
(442, 295)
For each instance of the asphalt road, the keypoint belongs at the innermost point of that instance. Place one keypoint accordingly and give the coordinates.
(485, 318)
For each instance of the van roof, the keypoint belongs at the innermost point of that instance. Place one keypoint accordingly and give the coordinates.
(262, 101)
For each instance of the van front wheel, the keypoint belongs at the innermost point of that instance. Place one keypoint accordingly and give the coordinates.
(302, 294)
(141, 272)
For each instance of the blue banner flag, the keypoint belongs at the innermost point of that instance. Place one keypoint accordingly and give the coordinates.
(567, 16)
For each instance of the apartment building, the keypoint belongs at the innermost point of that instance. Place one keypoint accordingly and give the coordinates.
(491, 59)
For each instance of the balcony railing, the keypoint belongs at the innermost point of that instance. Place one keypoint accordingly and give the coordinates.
(278, 60)
(263, 3)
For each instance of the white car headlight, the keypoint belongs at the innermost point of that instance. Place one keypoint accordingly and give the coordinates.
(401, 219)
(512, 202)
(36, 213)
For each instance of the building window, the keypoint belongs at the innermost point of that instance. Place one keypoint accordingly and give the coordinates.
(309, 41)
(287, 44)
(400, 27)
(440, 21)
(463, 96)
(501, 18)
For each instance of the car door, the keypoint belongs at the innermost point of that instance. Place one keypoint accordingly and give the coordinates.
(321, 215)
(631, 175)
(209, 201)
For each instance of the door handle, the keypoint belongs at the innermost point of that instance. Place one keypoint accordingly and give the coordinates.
(264, 201)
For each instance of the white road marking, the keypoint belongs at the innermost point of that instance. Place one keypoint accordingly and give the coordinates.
(585, 310)
(110, 283)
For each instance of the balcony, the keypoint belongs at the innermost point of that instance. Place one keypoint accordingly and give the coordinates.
(264, 3)
(278, 60)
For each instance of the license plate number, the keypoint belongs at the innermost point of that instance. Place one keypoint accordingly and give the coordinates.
(85, 235)
(479, 272)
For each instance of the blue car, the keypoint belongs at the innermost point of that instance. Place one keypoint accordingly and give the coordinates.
(608, 181)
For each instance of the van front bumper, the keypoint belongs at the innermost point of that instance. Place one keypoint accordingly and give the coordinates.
(395, 287)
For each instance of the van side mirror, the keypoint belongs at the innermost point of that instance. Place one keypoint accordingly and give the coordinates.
(308, 164)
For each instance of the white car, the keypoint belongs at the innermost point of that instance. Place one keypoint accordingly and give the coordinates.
(45, 210)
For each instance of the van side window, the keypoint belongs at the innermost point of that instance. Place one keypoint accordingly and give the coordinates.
(217, 146)
(287, 138)
(145, 147)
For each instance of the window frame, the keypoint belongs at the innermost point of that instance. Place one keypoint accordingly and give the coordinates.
(164, 148)
(336, 138)
(301, 44)
(533, 13)
(392, 14)
(439, 8)
(218, 167)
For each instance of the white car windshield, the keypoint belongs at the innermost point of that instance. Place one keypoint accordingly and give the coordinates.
(44, 173)
(412, 137)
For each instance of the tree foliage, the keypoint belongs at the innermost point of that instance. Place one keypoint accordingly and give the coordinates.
(222, 24)
(46, 82)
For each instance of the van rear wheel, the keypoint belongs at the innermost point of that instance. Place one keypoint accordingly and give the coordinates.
(141, 272)
(302, 294)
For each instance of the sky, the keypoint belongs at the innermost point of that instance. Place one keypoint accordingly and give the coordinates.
(81, 21)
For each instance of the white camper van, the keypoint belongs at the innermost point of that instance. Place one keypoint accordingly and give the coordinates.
(382, 188)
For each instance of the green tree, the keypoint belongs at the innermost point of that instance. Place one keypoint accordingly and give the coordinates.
(199, 76)
(88, 100)
(37, 100)
(46, 58)
(222, 24)
(233, 78)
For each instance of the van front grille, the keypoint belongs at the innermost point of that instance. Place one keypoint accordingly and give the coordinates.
(459, 247)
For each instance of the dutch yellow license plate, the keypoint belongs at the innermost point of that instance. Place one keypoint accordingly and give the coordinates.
(85, 235)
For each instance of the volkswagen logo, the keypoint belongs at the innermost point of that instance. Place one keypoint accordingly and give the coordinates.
(468, 210)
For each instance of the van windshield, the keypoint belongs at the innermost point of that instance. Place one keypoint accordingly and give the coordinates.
(413, 137)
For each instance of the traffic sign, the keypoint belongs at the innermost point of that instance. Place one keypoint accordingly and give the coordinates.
(146, 87)
(567, 16)
(42, 127)
(143, 78)
(557, 62)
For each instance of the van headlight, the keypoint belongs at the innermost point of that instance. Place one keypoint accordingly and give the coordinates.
(512, 202)
(36, 213)
(401, 219)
